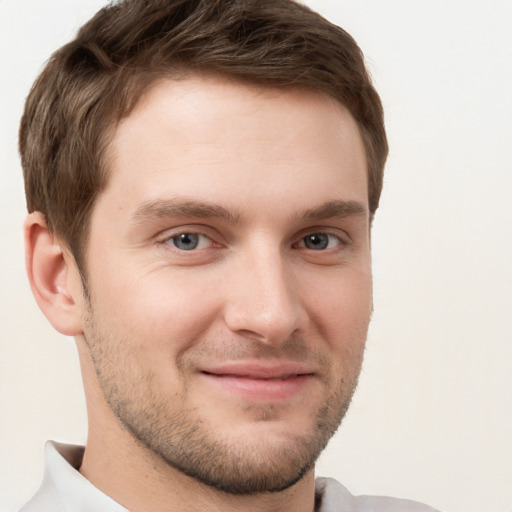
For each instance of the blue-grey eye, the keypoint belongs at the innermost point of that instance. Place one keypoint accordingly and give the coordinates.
(186, 241)
(319, 241)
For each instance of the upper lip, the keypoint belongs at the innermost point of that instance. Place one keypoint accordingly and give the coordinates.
(258, 370)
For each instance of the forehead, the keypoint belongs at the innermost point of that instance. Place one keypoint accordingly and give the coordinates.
(223, 140)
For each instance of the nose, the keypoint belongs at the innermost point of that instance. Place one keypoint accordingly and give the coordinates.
(263, 303)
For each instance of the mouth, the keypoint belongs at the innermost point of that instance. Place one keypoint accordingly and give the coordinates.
(255, 381)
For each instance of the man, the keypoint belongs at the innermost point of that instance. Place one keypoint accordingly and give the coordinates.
(201, 178)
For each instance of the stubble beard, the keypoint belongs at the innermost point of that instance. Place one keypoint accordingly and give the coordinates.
(186, 443)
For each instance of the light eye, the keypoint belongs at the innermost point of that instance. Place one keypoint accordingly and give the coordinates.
(319, 241)
(189, 241)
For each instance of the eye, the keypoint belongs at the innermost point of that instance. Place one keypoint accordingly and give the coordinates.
(319, 241)
(189, 241)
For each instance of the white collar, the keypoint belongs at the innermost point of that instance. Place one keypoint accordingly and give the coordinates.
(63, 481)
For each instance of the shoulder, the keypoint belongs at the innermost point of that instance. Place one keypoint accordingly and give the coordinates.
(334, 497)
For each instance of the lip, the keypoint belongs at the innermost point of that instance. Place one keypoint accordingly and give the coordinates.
(260, 382)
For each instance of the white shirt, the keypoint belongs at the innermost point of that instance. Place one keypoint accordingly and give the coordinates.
(64, 489)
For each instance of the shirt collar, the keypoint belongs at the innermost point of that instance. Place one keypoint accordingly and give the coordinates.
(76, 493)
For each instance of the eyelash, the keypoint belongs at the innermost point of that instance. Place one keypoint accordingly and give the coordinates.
(315, 237)
(187, 236)
(319, 238)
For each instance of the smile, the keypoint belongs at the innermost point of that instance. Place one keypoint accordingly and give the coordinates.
(260, 382)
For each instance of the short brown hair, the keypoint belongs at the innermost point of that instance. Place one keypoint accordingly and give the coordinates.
(94, 81)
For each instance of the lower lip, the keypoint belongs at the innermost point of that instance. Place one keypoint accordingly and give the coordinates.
(260, 389)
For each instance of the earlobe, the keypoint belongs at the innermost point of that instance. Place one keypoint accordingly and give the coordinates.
(53, 277)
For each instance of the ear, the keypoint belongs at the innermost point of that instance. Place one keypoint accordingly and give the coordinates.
(53, 276)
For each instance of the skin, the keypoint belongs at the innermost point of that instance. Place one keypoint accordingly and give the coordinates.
(240, 353)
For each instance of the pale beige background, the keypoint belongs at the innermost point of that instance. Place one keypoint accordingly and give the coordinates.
(432, 419)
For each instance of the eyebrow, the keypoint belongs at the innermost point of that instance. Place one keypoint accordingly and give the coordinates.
(334, 209)
(168, 208)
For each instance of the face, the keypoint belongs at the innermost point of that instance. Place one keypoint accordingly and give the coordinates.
(229, 279)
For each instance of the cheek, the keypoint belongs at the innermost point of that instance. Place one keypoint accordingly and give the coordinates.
(154, 309)
(341, 309)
